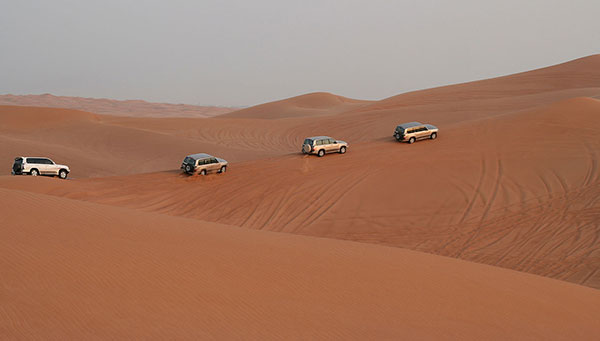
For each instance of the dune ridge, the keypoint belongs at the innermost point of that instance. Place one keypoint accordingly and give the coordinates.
(307, 105)
(133, 108)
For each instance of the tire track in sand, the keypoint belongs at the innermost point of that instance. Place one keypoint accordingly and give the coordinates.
(488, 207)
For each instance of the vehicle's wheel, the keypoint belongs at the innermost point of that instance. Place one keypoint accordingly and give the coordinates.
(411, 140)
(62, 174)
(321, 152)
(203, 172)
(342, 150)
(433, 136)
(223, 169)
(188, 168)
(34, 172)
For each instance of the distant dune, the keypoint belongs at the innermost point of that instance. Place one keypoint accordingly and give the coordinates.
(132, 108)
(512, 182)
(309, 105)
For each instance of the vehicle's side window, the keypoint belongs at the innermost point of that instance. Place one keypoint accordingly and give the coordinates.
(424, 128)
(319, 142)
(47, 161)
(201, 162)
(31, 160)
(213, 160)
(331, 141)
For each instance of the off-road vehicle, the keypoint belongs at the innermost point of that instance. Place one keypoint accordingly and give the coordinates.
(203, 164)
(413, 131)
(39, 166)
(321, 145)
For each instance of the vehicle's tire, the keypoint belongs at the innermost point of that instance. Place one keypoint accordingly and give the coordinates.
(188, 168)
(223, 169)
(411, 140)
(321, 152)
(433, 136)
(203, 172)
(342, 149)
(34, 172)
(305, 149)
(62, 174)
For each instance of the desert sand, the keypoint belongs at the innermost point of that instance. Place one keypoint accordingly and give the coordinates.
(490, 231)
(133, 108)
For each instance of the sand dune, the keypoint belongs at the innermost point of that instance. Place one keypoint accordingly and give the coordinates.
(512, 182)
(93, 146)
(313, 104)
(576, 74)
(470, 194)
(134, 108)
(91, 271)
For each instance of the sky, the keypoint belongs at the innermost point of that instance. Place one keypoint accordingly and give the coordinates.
(242, 53)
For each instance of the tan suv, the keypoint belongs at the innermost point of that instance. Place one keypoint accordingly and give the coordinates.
(39, 166)
(413, 131)
(203, 164)
(321, 145)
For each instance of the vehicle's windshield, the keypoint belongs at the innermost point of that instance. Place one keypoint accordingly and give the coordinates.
(308, 142)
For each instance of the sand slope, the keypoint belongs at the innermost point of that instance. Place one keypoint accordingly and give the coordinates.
(528, 203)
(308, 105)
(134, 108)
(79, 270)
(93, 146)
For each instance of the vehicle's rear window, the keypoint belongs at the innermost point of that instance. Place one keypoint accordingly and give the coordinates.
(188, 160)
(19, 161)
(308, 142)
(400, 129)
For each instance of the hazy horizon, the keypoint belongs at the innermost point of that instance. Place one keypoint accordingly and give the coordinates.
(241, 54)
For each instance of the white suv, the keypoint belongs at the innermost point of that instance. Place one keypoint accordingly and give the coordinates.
(38, 166)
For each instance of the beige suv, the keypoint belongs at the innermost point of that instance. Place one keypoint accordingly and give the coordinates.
(321, 145)
(413, 131)
(203, 164)
(38, 166)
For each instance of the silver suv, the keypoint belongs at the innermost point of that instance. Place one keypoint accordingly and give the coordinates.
(38, 166)
(413, 131)
(203, 164)
(321, 145)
